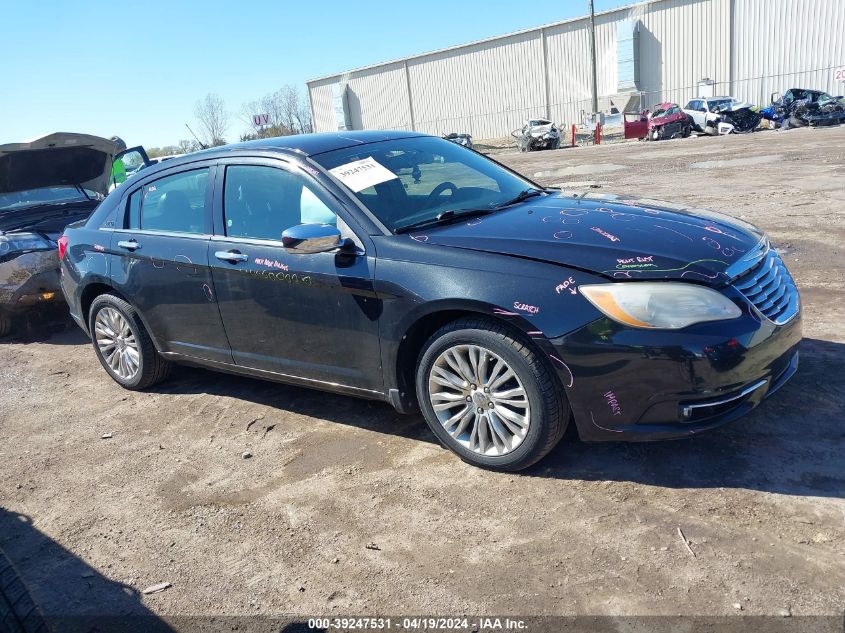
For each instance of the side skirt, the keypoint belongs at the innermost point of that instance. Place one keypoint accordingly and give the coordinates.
(273, 376)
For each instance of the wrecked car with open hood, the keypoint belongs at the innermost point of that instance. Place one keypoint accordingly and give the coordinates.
(799, 107)
(401, 267)
(722, 115)
(44, 185)
(537, 134)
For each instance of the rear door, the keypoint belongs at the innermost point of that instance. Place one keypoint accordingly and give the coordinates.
(162, 262)
(313, 316)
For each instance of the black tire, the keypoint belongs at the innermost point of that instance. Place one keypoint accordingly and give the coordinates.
(152, 368)
(687, 131)
(549, 409)
(18, 612)
(794, 121)
(5, 323)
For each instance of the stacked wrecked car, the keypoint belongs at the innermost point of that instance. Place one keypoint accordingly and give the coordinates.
(799, 107)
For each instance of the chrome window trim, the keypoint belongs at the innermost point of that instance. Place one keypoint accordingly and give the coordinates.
(154, 233)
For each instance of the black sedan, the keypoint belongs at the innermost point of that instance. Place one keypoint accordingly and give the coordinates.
(406, 268)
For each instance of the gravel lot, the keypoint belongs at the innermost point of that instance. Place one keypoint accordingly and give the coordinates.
(346, 507)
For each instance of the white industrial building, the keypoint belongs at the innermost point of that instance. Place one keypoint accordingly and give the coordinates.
(654, 51)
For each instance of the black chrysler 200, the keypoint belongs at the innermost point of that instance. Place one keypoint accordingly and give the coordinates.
(406, 268)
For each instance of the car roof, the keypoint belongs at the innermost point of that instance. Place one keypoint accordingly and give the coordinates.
(301, 144)
(313, 144)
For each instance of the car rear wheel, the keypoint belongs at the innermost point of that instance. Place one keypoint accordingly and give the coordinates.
(489, 397)
(123, 346)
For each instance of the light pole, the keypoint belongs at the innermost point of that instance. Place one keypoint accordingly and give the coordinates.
(593, 57)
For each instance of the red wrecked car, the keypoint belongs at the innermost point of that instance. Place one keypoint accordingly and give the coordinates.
(667, 120)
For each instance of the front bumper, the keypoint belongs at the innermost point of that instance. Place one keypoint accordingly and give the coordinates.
(28, 280)
(642, 385)
(545, 142)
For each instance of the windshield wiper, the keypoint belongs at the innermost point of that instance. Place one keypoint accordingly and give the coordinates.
(445, 217)
(522, 195)
(81, 190)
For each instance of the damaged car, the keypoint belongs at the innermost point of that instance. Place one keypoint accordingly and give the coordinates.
(722, 115)
(666, 120)
(465, 140)
(537, 134)
(799, 107)
(403, 268)
(44, 185)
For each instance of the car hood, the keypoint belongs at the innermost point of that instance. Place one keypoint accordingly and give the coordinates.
(62, 158)
(735, 106)
(540, 130)
(620, 237)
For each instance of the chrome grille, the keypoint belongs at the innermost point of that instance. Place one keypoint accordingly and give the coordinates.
(769, 287)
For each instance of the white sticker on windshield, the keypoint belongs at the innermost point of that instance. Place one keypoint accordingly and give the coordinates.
(360, 174)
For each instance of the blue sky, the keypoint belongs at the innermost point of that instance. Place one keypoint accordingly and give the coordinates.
(136, 68)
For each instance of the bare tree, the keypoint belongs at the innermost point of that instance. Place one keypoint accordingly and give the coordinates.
(213, 119)
(187, 146)
(286, 111)
(296, 110)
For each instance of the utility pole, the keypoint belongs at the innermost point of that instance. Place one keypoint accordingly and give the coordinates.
(593, 57)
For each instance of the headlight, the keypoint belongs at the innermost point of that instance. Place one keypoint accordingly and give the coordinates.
(15, 242)
(660, 305)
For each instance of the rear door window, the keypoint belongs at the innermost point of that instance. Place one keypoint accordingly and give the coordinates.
(174, 204)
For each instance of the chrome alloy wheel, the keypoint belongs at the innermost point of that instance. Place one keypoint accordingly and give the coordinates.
(479, 400)
(117, 343)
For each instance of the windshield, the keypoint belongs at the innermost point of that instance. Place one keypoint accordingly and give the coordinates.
(716, 104)
(45, 195)
(416, 179)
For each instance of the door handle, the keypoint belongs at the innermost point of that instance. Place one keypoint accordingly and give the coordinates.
(231, 256)
(130, 245)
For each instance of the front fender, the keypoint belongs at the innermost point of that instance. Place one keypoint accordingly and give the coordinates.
(538, 299)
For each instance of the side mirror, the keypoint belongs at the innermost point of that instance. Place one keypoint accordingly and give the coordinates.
(775, 96)
(311, 238)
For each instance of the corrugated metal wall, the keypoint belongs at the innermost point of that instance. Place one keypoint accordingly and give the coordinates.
(750, 48)
(782, 45)
(502, 79)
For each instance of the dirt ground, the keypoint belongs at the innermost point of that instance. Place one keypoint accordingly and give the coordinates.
(346, 507)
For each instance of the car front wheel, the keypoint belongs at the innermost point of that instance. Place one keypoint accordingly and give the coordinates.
(122, 344)
(489, 397)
